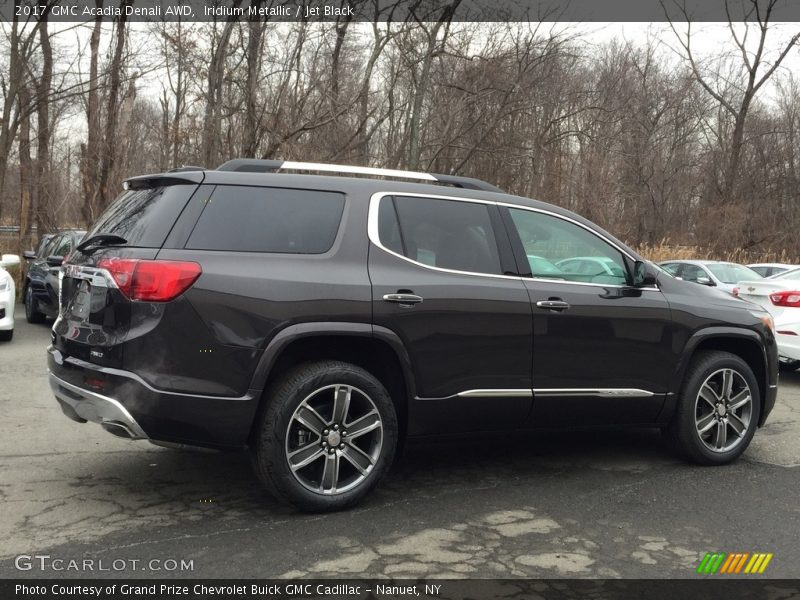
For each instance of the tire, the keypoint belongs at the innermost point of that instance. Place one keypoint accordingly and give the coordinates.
(308, 393)
(729, 420)
(788, 365)
(32, 314)
(7, 335)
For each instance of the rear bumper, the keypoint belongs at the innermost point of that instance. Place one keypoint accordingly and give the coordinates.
(127, 406)
(83, 405)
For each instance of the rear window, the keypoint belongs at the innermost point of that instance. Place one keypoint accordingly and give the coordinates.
(144, 217)
(262, 219)
(732, 273)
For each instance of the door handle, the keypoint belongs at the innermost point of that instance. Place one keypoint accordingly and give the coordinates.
(557, 305)
(406, 300)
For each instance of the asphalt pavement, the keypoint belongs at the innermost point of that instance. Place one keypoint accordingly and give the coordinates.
(578, 504)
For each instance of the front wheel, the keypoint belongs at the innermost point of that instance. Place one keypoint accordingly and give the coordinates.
(717, 413)
(326, 437)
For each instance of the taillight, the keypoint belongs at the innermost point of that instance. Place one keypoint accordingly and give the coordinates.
(151, 280)
(785, 298)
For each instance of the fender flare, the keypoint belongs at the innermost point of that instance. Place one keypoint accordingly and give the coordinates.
(329, 328)
(689, 348)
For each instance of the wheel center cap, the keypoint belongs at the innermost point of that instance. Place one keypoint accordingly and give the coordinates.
(721, 410)
(334, 438)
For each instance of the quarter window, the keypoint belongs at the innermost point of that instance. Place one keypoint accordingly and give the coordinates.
(558, 249)
(447, 234)
(262, 219)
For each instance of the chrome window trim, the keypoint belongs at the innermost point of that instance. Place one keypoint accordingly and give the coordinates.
(372, 232)
(374, 237)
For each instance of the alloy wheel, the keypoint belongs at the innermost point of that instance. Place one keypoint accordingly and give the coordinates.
(723, 410)
(334, 439)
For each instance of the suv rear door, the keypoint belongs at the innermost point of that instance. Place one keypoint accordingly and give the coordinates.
(437, 266)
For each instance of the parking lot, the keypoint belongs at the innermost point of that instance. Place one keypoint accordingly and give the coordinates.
(578, 504)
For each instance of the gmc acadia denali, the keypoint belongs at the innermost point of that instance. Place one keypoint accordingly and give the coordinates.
(317, 320)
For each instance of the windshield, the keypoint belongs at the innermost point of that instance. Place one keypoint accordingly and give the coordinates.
(732, 273)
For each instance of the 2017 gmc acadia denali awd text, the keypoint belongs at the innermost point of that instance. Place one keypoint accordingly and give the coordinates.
(316, 320)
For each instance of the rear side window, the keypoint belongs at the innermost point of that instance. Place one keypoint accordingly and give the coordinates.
(144, 217)
(448, 234)
(261, 219)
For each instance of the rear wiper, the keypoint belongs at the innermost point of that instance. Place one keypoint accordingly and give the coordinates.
(99, 240)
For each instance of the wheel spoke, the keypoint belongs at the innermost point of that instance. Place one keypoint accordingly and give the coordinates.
(362, 425)
(310, 418)
(341, 403)
(304, 456)
(727, 384)
(736, 423)
(722, 436)
(358, 458)
(708, 394)
(705, 423)
(740, 399)
(330, 474)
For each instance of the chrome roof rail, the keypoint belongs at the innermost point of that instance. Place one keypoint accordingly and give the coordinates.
(254, 165)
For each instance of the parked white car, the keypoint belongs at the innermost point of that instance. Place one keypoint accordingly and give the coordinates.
(713, 273)
(8, 294)
(771, 269)
(780, 295)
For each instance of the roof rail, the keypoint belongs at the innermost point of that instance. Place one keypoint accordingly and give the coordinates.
(254, 165)
(186, 168)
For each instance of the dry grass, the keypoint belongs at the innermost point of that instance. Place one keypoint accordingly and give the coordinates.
(664, 250)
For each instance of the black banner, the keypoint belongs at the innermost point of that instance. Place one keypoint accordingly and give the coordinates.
(396, 10)
(744, 587)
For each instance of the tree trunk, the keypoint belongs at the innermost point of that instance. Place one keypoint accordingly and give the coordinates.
(43, 180)
(90, 150)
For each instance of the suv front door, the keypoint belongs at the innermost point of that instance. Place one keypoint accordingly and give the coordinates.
(602, 350)
(437, 267)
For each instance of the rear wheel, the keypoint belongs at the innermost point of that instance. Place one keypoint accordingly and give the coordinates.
(32, 314)
(718, 410)
(326, 437)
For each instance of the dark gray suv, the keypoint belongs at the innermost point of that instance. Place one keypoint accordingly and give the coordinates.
(317, 320)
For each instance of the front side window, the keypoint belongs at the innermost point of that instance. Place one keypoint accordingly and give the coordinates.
(558, 249)
(262, 219)
(448, 234)
(694, 274)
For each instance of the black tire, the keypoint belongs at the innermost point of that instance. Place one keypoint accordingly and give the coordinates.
(693, 412)
(788, 365)
(32, 314)
(7, 335)
(313, 382)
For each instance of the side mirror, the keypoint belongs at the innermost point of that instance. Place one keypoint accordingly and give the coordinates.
(9, 260)
(55, 261)
(705, 281)
(644, 274)
(29, 255)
